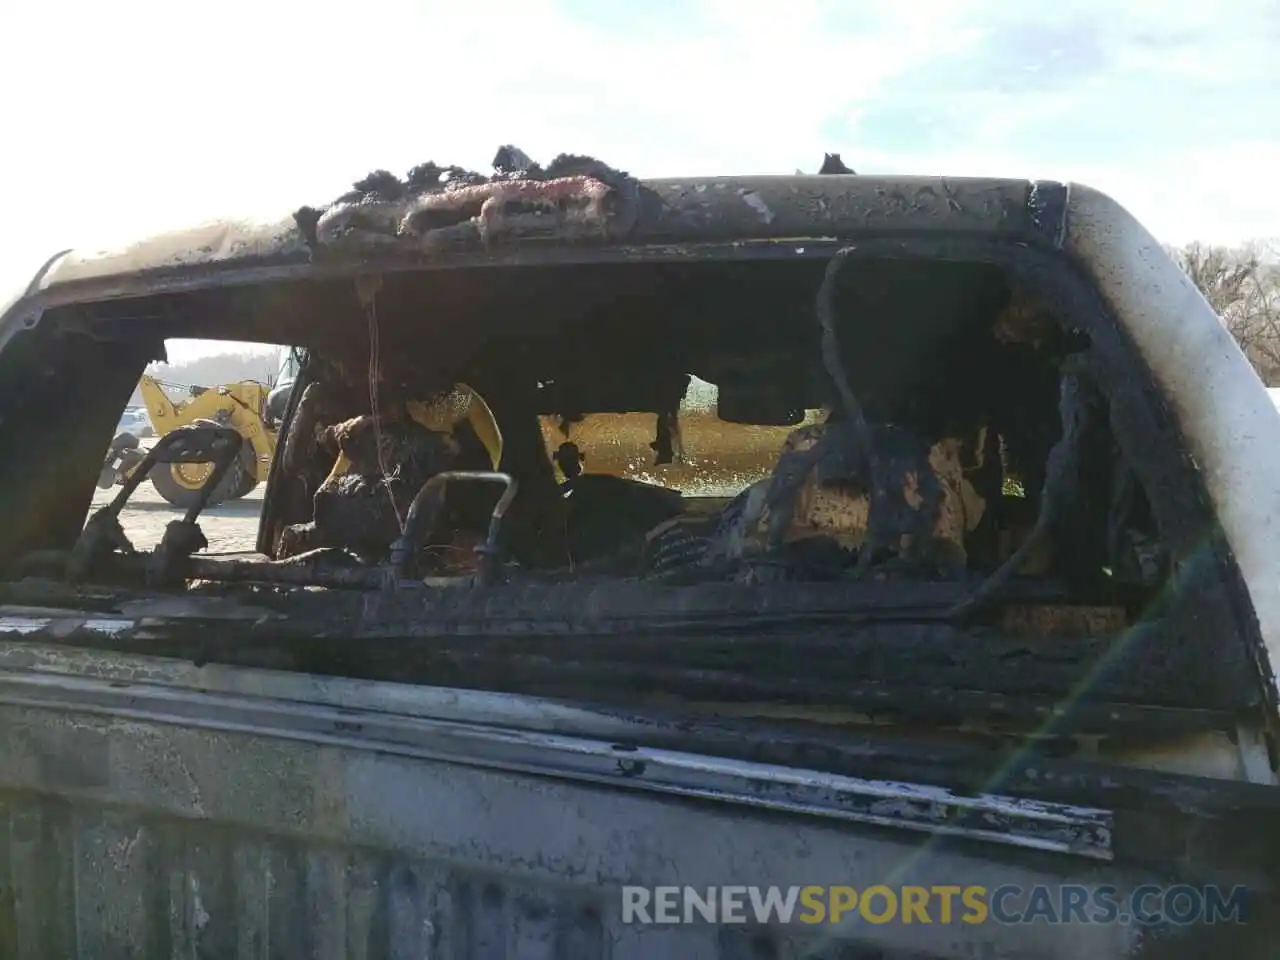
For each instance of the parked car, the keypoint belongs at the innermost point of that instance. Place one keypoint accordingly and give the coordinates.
(134, 420)
(966, 581)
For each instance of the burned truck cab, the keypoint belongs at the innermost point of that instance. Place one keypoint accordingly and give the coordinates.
(799, 527)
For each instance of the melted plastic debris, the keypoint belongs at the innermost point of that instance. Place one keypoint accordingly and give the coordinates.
(435, 206)
(832, 164)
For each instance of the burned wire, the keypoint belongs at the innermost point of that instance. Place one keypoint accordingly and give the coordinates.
(367, 288)
(856, 419)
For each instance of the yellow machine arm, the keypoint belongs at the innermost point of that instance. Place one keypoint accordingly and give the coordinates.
(239, 405)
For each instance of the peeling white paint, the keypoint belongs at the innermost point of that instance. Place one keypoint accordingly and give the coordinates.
(109, 627)
(22, 624)
(122, 852)
(756, 203)
(199, 915)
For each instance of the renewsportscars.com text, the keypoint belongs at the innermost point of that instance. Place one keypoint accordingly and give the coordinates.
(940, 904)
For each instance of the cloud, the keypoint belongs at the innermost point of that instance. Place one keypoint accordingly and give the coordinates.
(1172, 111)
(142, 115)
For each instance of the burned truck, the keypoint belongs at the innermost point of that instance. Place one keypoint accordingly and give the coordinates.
(764, 531)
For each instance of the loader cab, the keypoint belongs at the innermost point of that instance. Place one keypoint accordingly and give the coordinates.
(278, 399)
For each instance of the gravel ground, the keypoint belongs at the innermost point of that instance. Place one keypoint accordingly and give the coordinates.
(230, 526)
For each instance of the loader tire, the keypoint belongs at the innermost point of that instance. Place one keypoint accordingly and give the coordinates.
(248, 473)
(179, 483)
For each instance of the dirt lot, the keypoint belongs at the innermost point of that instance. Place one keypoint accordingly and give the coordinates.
(228, 527)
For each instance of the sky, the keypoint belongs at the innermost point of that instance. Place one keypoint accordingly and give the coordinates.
(135, 116)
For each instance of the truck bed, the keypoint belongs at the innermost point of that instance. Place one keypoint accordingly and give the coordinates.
(152, 808)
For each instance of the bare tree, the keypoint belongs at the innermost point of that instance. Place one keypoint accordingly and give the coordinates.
(1245, 291)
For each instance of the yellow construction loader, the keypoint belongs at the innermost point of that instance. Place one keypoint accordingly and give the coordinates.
(241, 406)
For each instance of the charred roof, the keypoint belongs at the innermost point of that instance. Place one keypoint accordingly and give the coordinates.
(575, 208)
(434, 207)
